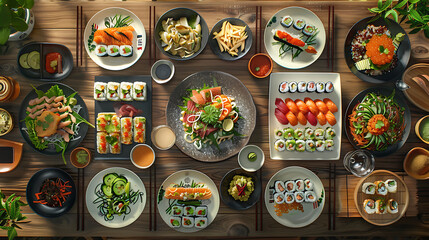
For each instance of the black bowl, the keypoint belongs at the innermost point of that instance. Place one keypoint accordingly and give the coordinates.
(35, 184)
(237, 204)
(177, 13)
(224, 55)
(407, 118)
(403, 52)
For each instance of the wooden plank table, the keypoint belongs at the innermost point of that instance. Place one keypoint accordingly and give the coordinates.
(56, 22)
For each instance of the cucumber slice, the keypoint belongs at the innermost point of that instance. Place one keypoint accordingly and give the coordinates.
(119, 187)
(109, 178)
(107, 190)
(120, 178)
(23, 61)
(33, 60)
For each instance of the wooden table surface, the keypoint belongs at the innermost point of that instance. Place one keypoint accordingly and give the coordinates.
(56, 22)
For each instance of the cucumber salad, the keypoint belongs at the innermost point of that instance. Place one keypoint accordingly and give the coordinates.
(114, 196)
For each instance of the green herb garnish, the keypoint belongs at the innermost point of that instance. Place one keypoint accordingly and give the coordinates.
(210, 115)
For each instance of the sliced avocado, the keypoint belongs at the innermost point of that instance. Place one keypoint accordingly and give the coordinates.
(23, 61)
(33, 60)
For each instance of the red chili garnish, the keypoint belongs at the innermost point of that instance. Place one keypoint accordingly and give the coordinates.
(53, 193)
(241, 189)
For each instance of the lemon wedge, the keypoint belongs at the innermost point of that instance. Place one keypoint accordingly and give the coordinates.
(227, 125)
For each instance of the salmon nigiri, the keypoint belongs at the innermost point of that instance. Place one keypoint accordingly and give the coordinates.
(292, 106)
(331, 105)
(302, 106)
(311, 106)
(331, 118)
(181, 193)
(114, 36)
(293, 120)
(321, 106)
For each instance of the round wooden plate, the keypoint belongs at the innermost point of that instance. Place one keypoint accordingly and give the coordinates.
(415, 93)
(401, 196)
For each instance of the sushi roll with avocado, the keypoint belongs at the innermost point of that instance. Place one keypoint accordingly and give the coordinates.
(320, 87)
(189, 211)
(101, 50)
(310, 146)
(299, 197)
(100, 91)
(320, 145)
(391, 185)
(201, 211)
(288, 133)
(311, 86)
(114, 143)
(308, 184)
(139, 91)
(300, 145)
(113, 50)
(380, 207)
(392, 206)
(299, 134)
(113, 91)
(139, 132)
(201, 222)
(126, 130)
(102, 143)
(302, 87)
(368, 188)
(279, 187)
(299, 24)
(330, 133)
(290, 145)
(278, 133)
(289, 198)
(329, 87)
(284, 87)
(175, 222)
(177, 210)
(290, 186)
(287, 21)
(309, 30)
(309, 133)
(279, 198)
(369, 206)
(126, 51)
(188, 222)
(293, 87)
(329, 145)
(319, 134)
(279, 145)
(310, 196)
(126, 90)
(299, 185)
(380, 188)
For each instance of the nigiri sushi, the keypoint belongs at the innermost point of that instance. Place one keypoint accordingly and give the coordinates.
(331, 105)
(301, 118)
(321, 118)
(321, 106)
(292, 106)
(114, 36)
(331, 118)
(301, 106)
(286, 38)
(293, 120)
(311, 106)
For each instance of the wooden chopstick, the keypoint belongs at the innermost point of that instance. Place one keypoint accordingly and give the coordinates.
(83, 200)
(329, 37)
(81, 35)
(329, 198)
(256, 29)
(78, 200)
(256, 216)
(333, 39)
(261, 200)
(154, 55)
(260, 29)
(150, 198)
(335, 196)
(77, 36)
(347, 195)
(150, 51)
(155, 197)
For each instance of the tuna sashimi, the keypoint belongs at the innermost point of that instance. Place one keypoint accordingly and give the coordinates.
(281, 105)
(191, 107)
(280, 117)
(197, 98)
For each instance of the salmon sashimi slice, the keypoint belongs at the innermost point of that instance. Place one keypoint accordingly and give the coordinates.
(181, 193)
(114, 36)
(197, 98)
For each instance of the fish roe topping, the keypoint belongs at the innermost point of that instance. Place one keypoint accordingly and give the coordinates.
(380, 49)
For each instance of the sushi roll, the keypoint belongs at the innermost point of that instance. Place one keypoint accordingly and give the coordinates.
(126, 130)
(284, 87)
(293, 86)
(201, 222)
(271, 195)
(392, 206)
(329, 87)
(115, 124)
(139, 129)
(188, 222)
(319, 134)
(177, 210)
(311, 86)
(126, 51)
(101, 50)
(115, 143)
(278, 133)
(101, 123)
(102, 143)
(368, 188)
(100, 91)
(300, 145)
(289, 198)
(175, 222)
(279, 145)
(189, 211)
(320, 145)
(113, 50)
(279, 186)
(113, 91)
(329, 145)
(287, 21)
(299, 185)
(139, 91)
(299, 24)
(310, 146)
(288, 133)
(391, 185)
(320, 87)
(309, 30)
(126, 90)
(380, 207)
(279, 198)
(310, 196)
(302, 87)
(201, 211)
(299, 134)
(299, 197)
(330, 133)
(380, 188)
(369, 206)
(290, 145)
(308, 184)
(290, 186)
(309, 134)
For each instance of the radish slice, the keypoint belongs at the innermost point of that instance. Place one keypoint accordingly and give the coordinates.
(311, 118)
(281, 117)
(281, 105)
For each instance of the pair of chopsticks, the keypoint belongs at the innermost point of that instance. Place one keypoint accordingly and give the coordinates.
(331, 37)
(152, 23)
(258, 208)
(80, 225)
(259, 32)
(152, 198)
(79, 35)
(332, 214)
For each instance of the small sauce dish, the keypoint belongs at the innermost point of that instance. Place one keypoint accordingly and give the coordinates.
(251, 158)
(163, 137)
(416, 163)
(422, 129)
(260, 65)
(142, 156)
(162, 71)
(80, 157)
(6, 122)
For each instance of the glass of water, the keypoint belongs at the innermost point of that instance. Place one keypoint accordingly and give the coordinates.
(359, 162)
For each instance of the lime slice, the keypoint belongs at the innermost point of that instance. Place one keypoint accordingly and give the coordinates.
(33, 60)
(227, 125)
(252, 157)
(127, 189)
(23, 61)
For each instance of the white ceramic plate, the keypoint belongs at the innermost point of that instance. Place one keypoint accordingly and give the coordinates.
(335, 96)
(304, 59)
(118, 221)
(139, 39)
(187, 176)
(310, 211)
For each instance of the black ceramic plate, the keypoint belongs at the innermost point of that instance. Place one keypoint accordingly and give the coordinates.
(403, 51)
(215, 47)
(237, 204)
(407, 118)
(35, 184)
(44, 49)
(177, 13)
(67, 91)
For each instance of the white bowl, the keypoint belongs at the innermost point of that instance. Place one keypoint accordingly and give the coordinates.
(153, 71)
(132, 160)
(247, 165)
